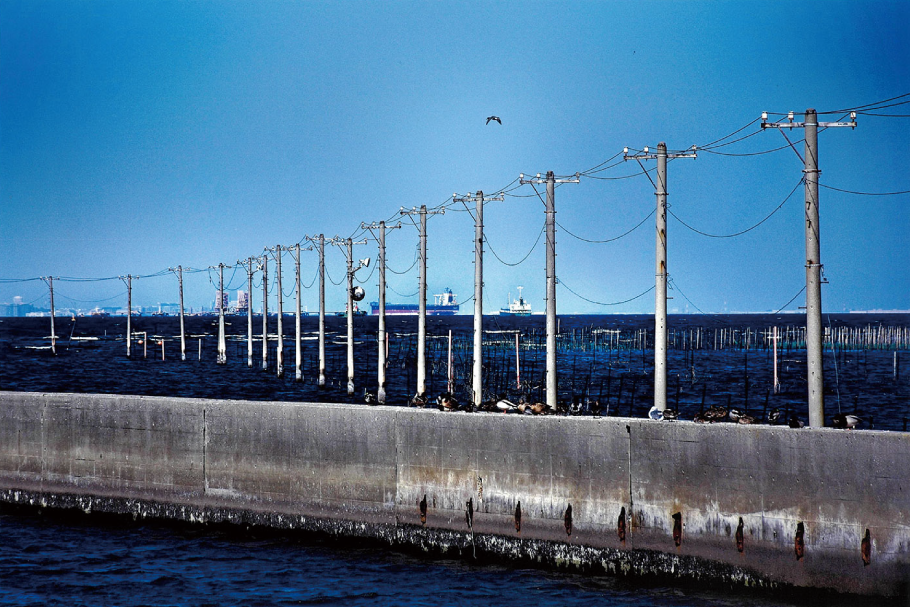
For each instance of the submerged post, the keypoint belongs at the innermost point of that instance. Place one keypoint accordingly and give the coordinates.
(381, 335)
(321, 310)
(50, 285)
(129, 313)
(249, 313)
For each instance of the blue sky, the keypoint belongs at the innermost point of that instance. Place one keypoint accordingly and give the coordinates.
(135, 136)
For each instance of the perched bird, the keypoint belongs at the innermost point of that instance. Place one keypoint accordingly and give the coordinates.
(677, 528)
(496, 118)
(865, 548)
(774, 415)
(701, 418)
(671, 414)
(621, 525)
(844, 421)
(746, 419)
(799, 545)
(795, 422)
(369, 398)
(735, 414)
(419, 401)
(505, 405)
(739, 535)
(716, 414)
(518, 517)
(655, 413)
(447, 402)
(423, 510)
(538, 408)
(568, 519)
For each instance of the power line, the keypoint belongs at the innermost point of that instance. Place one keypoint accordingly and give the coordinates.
(865, 193)
(675, 287)
(536, 242)
(600, 303)
(640, 223)
(783, 307)
(793, 191)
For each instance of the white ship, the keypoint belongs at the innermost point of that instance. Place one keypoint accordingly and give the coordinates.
(517, 307)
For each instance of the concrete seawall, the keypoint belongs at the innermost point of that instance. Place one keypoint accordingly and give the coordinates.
(359, 470)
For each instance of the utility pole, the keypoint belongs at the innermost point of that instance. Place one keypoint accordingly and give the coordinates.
(320, 247)
(50, 284)
(222, 343)
(264, 266)
(298, 354)
(248, 266)
(660, 290)
(381, 332)
(349, 254)
(814, 266)
(552, 328)
(179, 271)
(477, 369)
(422, 298)
(128, 279)
(279, 353)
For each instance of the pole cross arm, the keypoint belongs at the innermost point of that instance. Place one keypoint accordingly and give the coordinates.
(790, 124)
(540, 180)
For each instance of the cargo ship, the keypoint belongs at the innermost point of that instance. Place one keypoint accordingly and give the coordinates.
(445, 304)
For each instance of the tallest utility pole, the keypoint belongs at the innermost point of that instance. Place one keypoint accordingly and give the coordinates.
(660, 268)
(551, 182)
(477, 370)
(814, 346)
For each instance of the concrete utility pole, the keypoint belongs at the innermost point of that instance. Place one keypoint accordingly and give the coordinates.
(660, 291)
(264, 266)
(422, 298)
(814, 266)
(477, 370)
(349, 254)
(128, 279)
(50, 284)
(222, 342)
(298, 354)
(321, 248)
(279, 353)
(552, 328)
(248, 266)
(179, 272)
(381, 332)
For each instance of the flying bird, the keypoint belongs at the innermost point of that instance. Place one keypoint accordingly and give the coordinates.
(496, 118)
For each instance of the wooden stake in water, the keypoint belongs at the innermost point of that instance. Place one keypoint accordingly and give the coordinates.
(200, 348)
(222, 343)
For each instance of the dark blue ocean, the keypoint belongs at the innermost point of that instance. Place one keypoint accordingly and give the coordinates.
(60, 558)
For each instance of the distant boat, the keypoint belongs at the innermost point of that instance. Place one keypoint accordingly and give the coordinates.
(357, 311)
(517, 307)
(445, 304)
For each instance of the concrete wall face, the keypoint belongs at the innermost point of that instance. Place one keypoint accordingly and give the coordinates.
(376, 465)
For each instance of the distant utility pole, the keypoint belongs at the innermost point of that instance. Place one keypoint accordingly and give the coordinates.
(660, 293)
(179, 271)
(551, 182)
(50, 284)
(319, 242)
(248, 266)
(222, 341)
(279, 353)
(264, 266)
(381, 333)
(349, 254)
(128, 279)
(422, 297)
(477, 370)
(813, 255)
